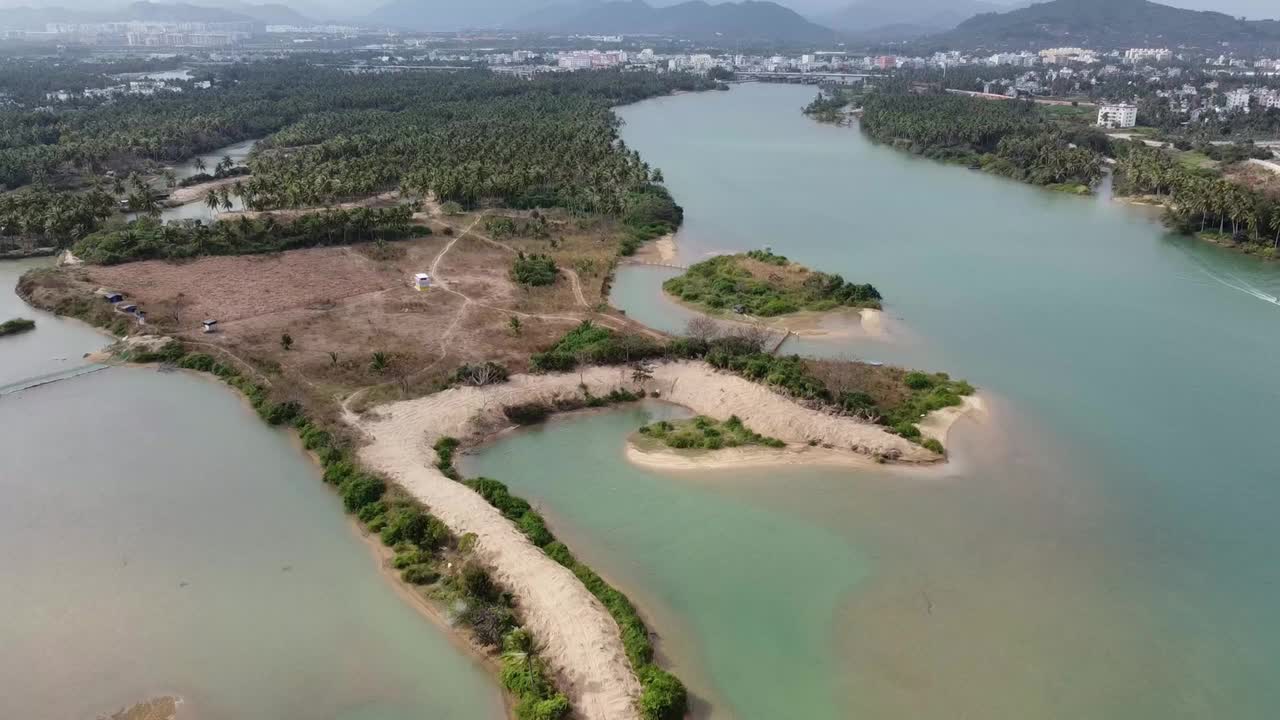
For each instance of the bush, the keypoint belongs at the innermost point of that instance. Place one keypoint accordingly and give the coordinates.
(360, 490)
(553, 708)
(534, 270)
(445, 447)
(480, 374)
(488, 622)
(535, 528)
(917, 381)
(664, 696)
(529, 413)
(934, 445)
(476, 583)
(419, 575)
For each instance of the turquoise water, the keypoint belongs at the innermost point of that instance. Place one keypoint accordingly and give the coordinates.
(157, 538)
(1102, 546)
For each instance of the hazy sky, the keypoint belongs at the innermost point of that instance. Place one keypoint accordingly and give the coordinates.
(1253, 9)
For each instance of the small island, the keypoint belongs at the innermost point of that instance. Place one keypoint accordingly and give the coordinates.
(706, 433)
(764, 284)
(15, 326)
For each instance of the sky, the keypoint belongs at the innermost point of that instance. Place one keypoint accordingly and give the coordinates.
(322, 9)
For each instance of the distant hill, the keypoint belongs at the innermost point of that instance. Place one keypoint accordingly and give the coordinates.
(270, 13)
(766, 21)
(903, 19)
(450, 15)
(27, 18)
(1106, 23)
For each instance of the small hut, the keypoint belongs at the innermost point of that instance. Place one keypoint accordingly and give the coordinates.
(421, 281)
(210, 326)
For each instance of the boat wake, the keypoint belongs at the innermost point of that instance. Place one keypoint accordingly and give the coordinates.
(1239, 284)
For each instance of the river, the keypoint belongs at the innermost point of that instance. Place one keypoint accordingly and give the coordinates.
(157, 538)
(1103, 545)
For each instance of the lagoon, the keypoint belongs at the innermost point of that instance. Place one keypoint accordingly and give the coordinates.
(1101, 546)
(156, 538)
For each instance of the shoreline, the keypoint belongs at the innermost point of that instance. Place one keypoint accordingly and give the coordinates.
(808, 324)
(936, 424)
(582, 641)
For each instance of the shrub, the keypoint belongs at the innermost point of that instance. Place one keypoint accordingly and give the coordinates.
(553, 708)
(412, 556)
(475, 583)
(360, 490)
(917, 381)
(907, 430)
(534, 270)
(488, 622)
(664, 697)
(527, 413)
(419, 575)
(281, 413)
(337, 473)
(535, 528)
(445, 447)
(934, 445)
(480, 374)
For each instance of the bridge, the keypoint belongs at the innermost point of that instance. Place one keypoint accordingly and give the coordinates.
(652, 263)
(807, 78)
(49, 378)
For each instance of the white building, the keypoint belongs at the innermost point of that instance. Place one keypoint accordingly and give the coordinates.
(1121, 115)
(1136, 55)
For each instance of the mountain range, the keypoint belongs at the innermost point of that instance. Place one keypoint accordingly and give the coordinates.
(904, 19)
(748, 20)
(29, 18)
(1106, 23)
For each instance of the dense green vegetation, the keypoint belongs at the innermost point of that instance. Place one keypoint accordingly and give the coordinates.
(16, 325)
(534, 270)
(426, 553)
(663, 696)
(769, 286)
(890, 396)
(468, 138)
(706, 433)
(1006, 137)
(148, 238)
(1200, 200)
(49, 218)
(592, 344)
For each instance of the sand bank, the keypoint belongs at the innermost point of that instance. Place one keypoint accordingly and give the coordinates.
(660, 250)
(743, 457)
(937, 424)
(581, 640)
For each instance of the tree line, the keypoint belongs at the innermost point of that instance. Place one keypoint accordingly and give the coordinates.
(470, 137)
(1007, 137)
(150, 239)
(1200, 200)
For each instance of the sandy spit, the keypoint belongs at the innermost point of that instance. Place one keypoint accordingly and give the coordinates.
(937, 424)
(743, 457)
(581, 640)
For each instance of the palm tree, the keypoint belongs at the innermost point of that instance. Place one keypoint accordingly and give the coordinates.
(211, 201)
(199, 165)
(1275, 225)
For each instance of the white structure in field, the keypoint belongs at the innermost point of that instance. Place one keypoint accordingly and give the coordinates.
(1121, 115)
(421, 281)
